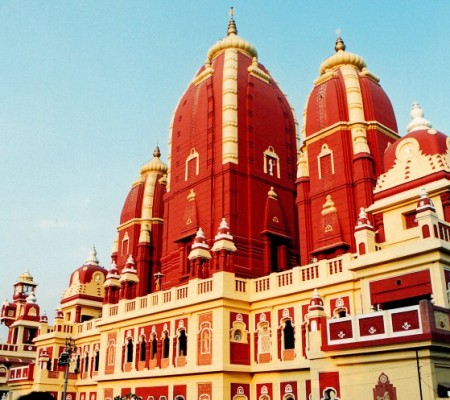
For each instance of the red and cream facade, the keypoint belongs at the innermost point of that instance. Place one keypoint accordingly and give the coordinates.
(265, 262)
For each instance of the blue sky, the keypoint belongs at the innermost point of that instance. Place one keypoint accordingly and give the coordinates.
(88, 89)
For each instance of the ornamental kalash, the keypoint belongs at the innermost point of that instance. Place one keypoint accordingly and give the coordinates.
(263, 261)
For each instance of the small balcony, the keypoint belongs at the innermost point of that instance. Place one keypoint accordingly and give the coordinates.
(420, 322)
(21, 374)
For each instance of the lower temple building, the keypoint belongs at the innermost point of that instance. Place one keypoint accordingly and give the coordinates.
(264, 261)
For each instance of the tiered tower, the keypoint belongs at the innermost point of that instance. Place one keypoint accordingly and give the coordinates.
(232, 155)
(348, 121)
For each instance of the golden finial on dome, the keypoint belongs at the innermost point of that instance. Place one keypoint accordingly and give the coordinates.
(232, 30)
(156, 152)
(340, 45)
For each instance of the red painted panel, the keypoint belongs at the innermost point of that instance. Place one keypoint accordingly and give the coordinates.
(239, 389)
(371, 326)
(264, 389)
(179, 390)
(329, 381)
(401, 287)
(404, 321)
(288, 388)
(339, 303)
(155, 391)
(240, 353)
(287, 312)
(307, 389)
(340, 330)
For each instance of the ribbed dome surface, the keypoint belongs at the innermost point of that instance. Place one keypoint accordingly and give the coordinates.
(346, 92)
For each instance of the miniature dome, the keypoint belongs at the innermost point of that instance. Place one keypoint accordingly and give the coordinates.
(155, 164)
(363, 221)
(316, 302)
(25, 277)
(423, 152)
(424, 202)
(346, 92)
(134, 201)
(87, 280)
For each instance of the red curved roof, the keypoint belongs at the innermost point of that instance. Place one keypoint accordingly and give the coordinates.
(85, 273)
(132, 207)
(431, 142)
(377, 105)
(327, 104)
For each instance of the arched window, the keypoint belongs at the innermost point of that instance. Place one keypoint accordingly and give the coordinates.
(86, 362)
(154, 350)
(192, 164)
(77, 363)
(206, 339)
(96, 360)
(271, 162)
(325, 162)
(263, 338)
(288, 335)
(329, 394)
(142, 354)
(130, 351)
(125, 244)
(166, 345)
(182, 343)
(111, 353)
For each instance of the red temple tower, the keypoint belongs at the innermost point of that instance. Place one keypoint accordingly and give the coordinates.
(232, 155)
(348, 120)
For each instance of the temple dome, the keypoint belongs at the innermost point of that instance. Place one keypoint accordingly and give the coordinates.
(25, 277)
(87, 280)
(346, 92)
(421, 154)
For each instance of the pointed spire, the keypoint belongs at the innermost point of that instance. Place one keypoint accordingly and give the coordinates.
(363, 221)
(328, 206)
(340, 45)
(223, 239)
(316, 302)
(272, 194)
(44, 318)
(232, 30)
(424, 203)
(130, 261)
(191, 195)
(92, 258)
(200, 248)
(418, 122)
(157, 152)
(113, 272)
(224, 230)
(200, 239)
(129, 273)
(155, 164)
